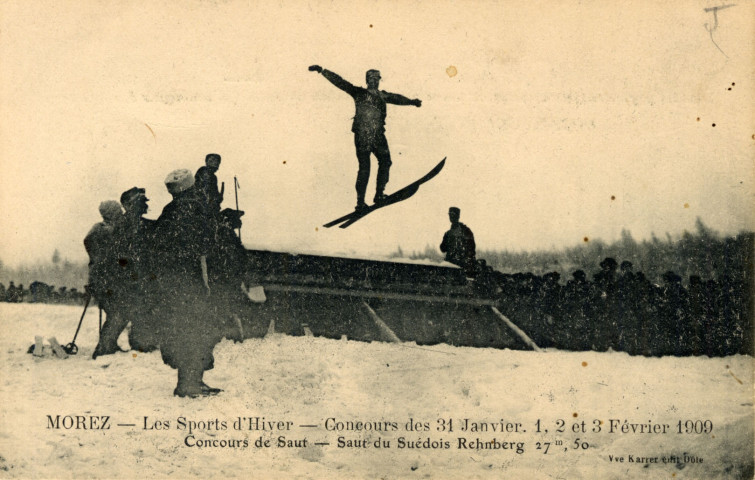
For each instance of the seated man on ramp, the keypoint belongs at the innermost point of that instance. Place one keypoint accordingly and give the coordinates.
(458, 244)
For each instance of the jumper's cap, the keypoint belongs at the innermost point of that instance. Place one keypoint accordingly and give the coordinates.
(212, 156)
(373, 74)
(110, 209)
(179, 181)
(132, 194)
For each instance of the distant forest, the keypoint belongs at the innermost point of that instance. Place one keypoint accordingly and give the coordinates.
(56, 272)
(703, 252)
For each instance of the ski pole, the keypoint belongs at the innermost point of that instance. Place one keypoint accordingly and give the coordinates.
(236, 187)
(71, 348)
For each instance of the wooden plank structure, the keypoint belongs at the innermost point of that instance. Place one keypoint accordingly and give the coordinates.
(373, 300)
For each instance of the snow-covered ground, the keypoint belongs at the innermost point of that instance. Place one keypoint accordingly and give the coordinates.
(311, 388)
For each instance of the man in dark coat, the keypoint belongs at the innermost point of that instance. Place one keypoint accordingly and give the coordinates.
(206, 183)
(458, 243)
(100, 246)
(369, 128)
(187, 329)
(605, 279)
(11, 293)
(128, 286)
(134, 237)
(230, 275)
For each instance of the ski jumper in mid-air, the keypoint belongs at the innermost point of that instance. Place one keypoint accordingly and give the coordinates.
(369, 128)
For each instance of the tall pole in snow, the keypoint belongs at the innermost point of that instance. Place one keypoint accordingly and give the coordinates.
(236, 187)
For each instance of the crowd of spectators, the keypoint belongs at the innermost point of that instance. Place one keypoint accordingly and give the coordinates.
(621, 309)
(39, 292)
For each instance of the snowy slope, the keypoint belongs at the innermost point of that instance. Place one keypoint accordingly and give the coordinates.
(308, 380)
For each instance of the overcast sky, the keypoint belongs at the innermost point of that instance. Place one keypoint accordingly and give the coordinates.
(560, 120)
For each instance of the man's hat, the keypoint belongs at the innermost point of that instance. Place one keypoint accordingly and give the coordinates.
(672, 277)
(231, 213)
(131, 194)
(608, 263)
(454, 210)
(212, 156)
(373, 73)
(179, 181)
(555, 276)
(232, 217)
(110, 209)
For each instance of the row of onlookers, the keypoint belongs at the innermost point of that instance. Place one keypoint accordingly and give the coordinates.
(622, 310)
(39, 292)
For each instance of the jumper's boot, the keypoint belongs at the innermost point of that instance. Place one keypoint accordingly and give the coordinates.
(383, 174)
(361, 205)
(380, 197)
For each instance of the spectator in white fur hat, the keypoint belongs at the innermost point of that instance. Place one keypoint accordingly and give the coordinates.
(187, 330)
